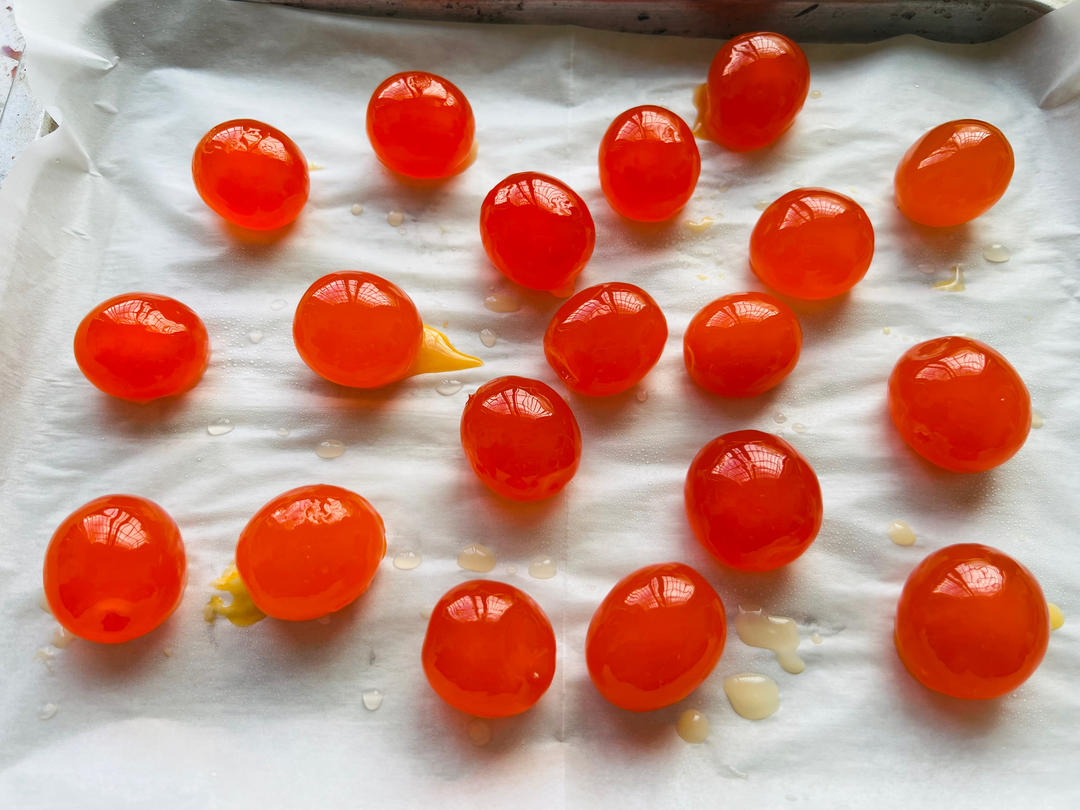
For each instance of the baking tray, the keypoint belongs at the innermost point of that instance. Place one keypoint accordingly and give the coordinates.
(830, 21)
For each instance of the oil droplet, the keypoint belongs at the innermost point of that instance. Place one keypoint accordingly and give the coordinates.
(278, 304)
(371, 698)
(242, 611)
(996, 252)
(331, 448)
(48, 711)
(476, 558)
(752, 696)
(315, 167)
(502, 302)
(487, 337)
(777, 633)
(448, 387)
(761, 205)
(886, 330)
(437, 354)
(779, 418)
(542, 568)
(702, 277)
(357, 209)
(407, 560)
(395, 218)
(1057, 618)
(700, 225)
(1036, 420)
(815, 94)
(511, 570)
(693, 726)
(167, 652)
(954, 284)
(642, 395)
(479, 732)
(219, 427)
(816, 638)
(901, 534)
(45, 656)
(62, 638)
(255, 336)
(799, 427)
(282, 432)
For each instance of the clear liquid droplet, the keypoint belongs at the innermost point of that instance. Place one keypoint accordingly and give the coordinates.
(1036, 420)
(503, 301)
(954, 284)
(761, 205)
(407, 560)
(219, 427)
(278, 304)
(48, 711)
(642, 395)
(282, 432)
(372, 699)
(477, 558)
(779, 418)
(542, 568)
(448, 387)
(487, 337)
(255, 336)
(996, 253)
(815, 94)
(357, 209)
(395, 218)
(799, 427)
(331, 448)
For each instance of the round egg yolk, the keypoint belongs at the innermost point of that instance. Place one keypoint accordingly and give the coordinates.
(140, 346)
(742, 345)
(357, 329)
(251, 174)
(757, 84)
(752, 500)
(649, 164)
(971, 623)
(489, 649)
(953, 173)
(310, 551)
(812, 243)
(420, 125)
(537, 231)
(115, 569)
(656, 636)
(605, 338)
(521, 438)
(959, 404)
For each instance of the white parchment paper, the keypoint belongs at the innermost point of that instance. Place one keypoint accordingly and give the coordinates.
(271, 716)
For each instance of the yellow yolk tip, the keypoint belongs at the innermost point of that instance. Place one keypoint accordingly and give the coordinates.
(241, 611)
(437, 354)
(1057, 618)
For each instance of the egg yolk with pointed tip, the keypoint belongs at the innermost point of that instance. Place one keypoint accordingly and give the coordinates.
(521, 438)
(605, 338)
(420, 125)
(310, 551)
(971, 623)
(357, 329)
(649, 164)
(959, 404)
(251, 173)
(954, 173)
(753, 501)
(489, 649)
(115, 569)
(742, 345)
(141, 346)
(537, 231)
(757, 84)
(812, 243)
(656, 636)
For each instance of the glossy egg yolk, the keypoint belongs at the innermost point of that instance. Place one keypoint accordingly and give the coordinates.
(812, 243)
(357, 329)
(537, 231)
(489, 649)
(115, 569)
(757, 84)
(742, 345)
(752, 500)
(310, 551)
(959, 404)
(953, 173)
(251, 174)
(420, 125)
(972, 622)
(649, 164)
(605, 338)
(521, 438)
(140, 346)
(656, 636)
